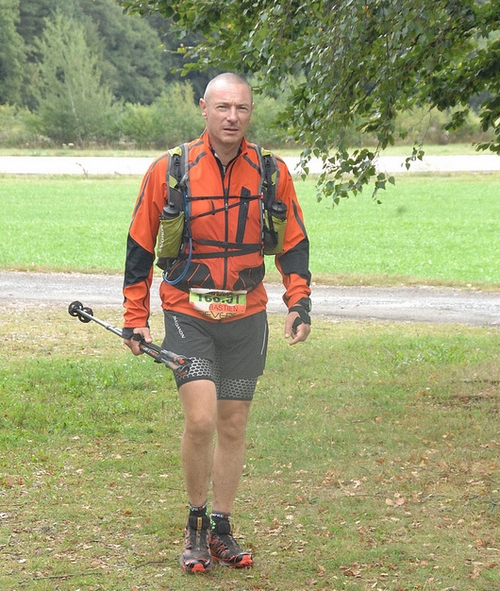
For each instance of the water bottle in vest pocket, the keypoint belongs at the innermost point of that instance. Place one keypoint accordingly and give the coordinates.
(170, 232)
(274, 227)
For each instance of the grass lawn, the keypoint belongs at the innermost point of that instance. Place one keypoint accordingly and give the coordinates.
(438, 229)
(373, 461)
(373, 455)
(429, 229)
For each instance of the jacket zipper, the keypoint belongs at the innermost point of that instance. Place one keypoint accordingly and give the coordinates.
(225, 172)
(226, 215)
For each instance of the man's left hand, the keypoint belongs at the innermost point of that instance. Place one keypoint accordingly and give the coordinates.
(298, 333)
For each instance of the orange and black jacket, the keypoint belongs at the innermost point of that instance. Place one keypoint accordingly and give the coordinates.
(225, 220)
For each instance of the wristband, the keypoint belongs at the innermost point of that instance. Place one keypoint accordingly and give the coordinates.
(303, 307)
(303, 303)
(127, 333)
(303, 314)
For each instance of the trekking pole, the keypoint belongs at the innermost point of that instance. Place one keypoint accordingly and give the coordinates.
(177, 363)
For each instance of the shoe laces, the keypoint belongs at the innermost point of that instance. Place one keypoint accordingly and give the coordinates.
(199, 531)
(222, 532)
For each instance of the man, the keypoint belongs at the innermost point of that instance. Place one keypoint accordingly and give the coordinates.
(214, 305)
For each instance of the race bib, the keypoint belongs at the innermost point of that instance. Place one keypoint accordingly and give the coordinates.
(218, 304)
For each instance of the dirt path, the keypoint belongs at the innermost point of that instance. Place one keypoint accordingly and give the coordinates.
(406, 304)
(125, 165)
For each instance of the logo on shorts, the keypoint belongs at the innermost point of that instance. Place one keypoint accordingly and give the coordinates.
(178, 327)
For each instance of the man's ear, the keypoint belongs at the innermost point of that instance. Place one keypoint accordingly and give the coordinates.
(203, 107)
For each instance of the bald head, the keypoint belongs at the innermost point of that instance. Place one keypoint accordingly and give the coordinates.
(227, 108)
(226, 79)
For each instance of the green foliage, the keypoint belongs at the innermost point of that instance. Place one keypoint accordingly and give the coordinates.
(435, 127)
(17, 126)
(333, 76)
(12, 53)
(33, 14)
(172, 119)
(363, 63)
(74, 105)
(129, 51)
(133, 64)
(264, 128)
(179, 118)
(138, 124)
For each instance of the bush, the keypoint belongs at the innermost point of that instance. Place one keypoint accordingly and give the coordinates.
(172, 119)
(428, 127)
(175, 118)
(263, 129)
(17, 126)
(178, 116)
(138, 124)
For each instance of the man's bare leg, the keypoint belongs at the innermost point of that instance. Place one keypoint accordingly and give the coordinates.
(199, 401)
(229, 460)
(229, 455)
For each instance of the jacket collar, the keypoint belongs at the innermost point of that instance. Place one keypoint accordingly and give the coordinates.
(208, 147)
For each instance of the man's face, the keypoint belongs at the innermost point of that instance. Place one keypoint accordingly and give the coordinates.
(227, 109)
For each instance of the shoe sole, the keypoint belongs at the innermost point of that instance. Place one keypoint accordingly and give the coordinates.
(196, 568)
(245, 562)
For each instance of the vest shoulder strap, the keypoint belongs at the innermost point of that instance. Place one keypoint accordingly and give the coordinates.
(270, 175)
(178, 178)
(177, 175)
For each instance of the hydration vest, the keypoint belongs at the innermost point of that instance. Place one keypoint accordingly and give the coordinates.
(174, 237)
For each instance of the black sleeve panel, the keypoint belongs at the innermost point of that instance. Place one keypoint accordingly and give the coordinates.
(296, 260)
(138, 263)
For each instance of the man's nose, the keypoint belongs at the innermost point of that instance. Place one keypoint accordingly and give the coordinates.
(232, 114)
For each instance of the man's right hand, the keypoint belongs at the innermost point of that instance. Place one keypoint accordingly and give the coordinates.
(134, 345)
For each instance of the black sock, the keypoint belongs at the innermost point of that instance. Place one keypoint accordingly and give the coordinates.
(220, 518)
(195, 511)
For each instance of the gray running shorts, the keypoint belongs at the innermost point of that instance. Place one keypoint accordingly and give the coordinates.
(231, 354)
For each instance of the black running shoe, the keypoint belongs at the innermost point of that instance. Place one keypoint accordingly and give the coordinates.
(224, 548)
(196, 557)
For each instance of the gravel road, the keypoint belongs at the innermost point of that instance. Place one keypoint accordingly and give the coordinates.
(406, 304)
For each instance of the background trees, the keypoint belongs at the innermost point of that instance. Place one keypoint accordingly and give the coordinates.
(12, 53)
(74, 105)
(134, 64)
(338, 75)
(127, 49)
(75, 71)
(362, 63)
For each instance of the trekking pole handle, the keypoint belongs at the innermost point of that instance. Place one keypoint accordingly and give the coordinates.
(171, 360)
(177, 363)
